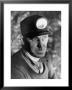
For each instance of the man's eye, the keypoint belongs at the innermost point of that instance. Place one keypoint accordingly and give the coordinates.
(35, 39)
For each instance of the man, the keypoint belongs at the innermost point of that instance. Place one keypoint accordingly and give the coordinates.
(27, 63)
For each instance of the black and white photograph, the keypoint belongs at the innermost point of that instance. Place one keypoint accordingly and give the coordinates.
(37, 48)
(36, 45)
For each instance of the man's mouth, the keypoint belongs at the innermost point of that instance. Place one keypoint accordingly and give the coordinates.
(40, 52)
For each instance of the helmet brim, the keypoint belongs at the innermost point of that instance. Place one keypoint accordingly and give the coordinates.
(38, 33)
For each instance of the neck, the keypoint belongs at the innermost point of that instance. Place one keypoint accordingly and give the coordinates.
(32, 57)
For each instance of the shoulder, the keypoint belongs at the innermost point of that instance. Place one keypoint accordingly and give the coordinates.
(16, 58)
(18, 67)
(16, 55)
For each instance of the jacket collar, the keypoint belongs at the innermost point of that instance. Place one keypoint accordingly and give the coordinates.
(35, 65)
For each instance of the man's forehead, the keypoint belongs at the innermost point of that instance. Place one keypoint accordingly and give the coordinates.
(43, 36)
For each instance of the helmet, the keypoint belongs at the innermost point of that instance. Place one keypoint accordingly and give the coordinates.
(34, 25)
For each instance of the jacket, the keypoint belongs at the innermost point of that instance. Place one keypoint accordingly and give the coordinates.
(23, 68)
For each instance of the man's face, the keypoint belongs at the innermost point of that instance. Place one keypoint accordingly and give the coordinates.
(38, 45)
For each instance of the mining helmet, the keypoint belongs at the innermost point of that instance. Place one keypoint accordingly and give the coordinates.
(34, 25)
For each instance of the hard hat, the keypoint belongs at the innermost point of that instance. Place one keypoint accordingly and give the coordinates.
(34, 25)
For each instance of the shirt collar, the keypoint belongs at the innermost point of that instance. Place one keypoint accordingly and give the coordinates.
(36, 66)
(32, 57)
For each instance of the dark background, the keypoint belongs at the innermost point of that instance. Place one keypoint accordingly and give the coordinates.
(1, 34)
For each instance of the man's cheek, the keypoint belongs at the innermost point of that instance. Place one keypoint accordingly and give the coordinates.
(33, 47)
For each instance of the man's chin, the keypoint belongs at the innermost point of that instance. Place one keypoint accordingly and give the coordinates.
(40, 55)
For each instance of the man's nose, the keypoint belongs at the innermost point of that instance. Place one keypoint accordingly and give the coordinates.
(40, 45)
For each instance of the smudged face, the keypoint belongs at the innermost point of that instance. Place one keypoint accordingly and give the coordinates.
(38, 45)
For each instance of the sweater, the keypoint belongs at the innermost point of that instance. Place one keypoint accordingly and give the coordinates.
(23, 68)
